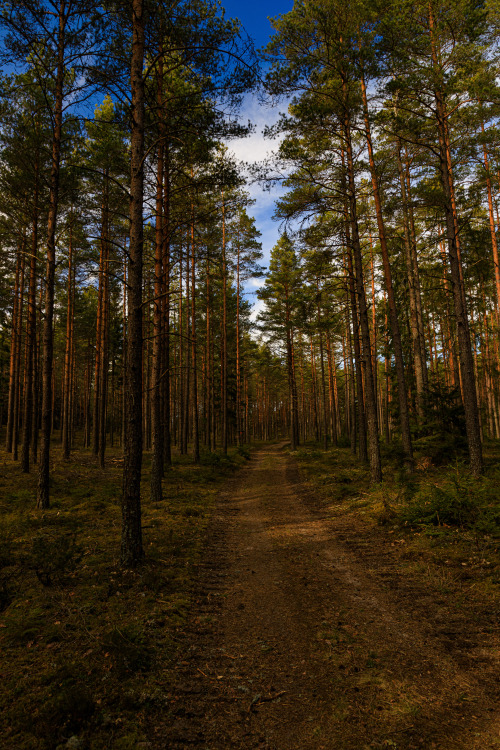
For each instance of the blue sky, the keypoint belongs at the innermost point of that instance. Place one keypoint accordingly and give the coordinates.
(254, 17)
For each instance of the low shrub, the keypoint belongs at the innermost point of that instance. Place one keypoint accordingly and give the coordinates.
(461, 501)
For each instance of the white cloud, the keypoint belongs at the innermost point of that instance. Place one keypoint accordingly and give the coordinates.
(257, 308)
(255, 147)
(255, 283)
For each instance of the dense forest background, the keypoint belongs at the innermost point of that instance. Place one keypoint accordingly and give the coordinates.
(127, 235)
(135, 375)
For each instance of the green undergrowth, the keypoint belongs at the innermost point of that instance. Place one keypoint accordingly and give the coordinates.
(439, 516)
(87, 648)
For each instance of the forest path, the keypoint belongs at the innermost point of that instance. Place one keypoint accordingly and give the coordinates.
(306, 637)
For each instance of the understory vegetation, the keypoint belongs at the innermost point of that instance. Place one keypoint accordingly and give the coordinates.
(443, 520)
(87, 648)
(135, 368)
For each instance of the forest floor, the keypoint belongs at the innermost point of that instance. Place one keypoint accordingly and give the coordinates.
(316, 627)
(285, 606)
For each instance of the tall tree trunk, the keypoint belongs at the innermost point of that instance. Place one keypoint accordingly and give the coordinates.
(494, 244)
(294, 438)
(238, 365)
(468, 380)
(332, 389)
(370, 402)
(323, 386)
(224, 331)
(419, 361)
(158, 339)
(43, 500)
(103, 374)
(131, 545)
(124, 346)
(35, 424)
(416, 273)
(196, 434)
(187, 367)
(31, 329)
(180, 369)
(167, 446)
(68, 351)
(14, 344)
(393, 315)
(99, 339)
(17, 379)
(357, 368)
(208, 416)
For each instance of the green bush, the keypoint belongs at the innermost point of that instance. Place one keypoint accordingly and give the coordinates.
(461, 501)
(437, 506)
(441, 436)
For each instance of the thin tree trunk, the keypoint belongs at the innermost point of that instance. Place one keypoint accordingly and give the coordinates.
(14, 344)
(224, 331)
(131, 545)
(43, 500)
(468, 380)
(17, 380)
(416, 274)
(393, 315)
(420, 376)
(103, 365)
(167, 441)
(31, 331)
(68, 350)
(156, 412)
(238, 372)
(196, 434)
(370, 402)
(208, 358)
(187, 367)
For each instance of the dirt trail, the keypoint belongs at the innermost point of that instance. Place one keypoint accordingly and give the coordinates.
(305, 637)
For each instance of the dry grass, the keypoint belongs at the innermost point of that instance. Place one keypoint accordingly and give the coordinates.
(87, 648)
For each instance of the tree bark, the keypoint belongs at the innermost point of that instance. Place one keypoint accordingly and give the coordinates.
(43, 500)
(14, 344)
(167, 440)
(31, 329)
(393, 314)
(68, 351)
(224, 331)
(370, 401)
(131, 544)
(158, 339)
(196, 433)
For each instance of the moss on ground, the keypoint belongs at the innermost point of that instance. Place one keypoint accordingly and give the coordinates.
(444, 523)
(88, 648)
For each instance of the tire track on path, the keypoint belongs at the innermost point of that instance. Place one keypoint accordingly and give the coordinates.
(298, 645)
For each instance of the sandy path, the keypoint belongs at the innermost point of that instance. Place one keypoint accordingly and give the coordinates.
(303, 640)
